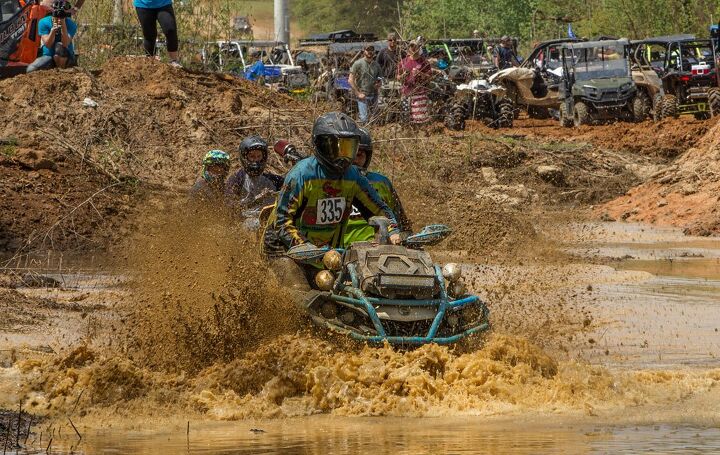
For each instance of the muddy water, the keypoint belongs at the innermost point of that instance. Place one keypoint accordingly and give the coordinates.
(322, 435)
(655, 310)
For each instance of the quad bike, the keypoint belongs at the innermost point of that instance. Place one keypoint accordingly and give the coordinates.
(676, 75)
(596, 83)
(480, 100)
(535, 84)
(376, 292)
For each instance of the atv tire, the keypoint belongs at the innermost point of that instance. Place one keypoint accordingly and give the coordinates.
(455, 117)
(657, 114)
(641, 107)
(714, 101)
(581, 114)
(539, 113)
(670, 106)
(566, 120)
(506, 113)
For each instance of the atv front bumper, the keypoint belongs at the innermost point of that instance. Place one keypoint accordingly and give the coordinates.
(432, 335)
(469, 314)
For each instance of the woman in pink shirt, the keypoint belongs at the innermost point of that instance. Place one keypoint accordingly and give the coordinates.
(414, 72)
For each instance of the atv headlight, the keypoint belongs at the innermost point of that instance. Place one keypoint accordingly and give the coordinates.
(452, 272)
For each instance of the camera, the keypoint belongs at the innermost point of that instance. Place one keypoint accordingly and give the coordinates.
(61, 9)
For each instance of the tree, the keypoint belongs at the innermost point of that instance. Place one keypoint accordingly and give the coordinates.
(317, 16)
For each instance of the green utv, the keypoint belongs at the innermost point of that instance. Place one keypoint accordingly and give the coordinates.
(596, 83)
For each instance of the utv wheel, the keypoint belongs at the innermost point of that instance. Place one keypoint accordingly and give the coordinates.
(641, 107)
(539, 113)
(455, 118)
(657, 113)
(714, 101)
(566, 120)
(670, 106)
(506, 113)
(581, 114)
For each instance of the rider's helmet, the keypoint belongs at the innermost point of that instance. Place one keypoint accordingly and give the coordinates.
(336, 138)
(365, 146)
(212, 158)
(253, 168)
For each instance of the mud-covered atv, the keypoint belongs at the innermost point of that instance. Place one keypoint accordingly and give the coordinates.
(596, 83)
(480, 100)
(376, 292)
(676, 75)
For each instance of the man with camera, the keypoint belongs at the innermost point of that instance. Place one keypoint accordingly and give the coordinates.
(56, 34)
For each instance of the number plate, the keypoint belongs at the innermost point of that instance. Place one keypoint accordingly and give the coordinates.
(330, 210)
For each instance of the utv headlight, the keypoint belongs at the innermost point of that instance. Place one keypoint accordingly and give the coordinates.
(626, 86)
(452, 272)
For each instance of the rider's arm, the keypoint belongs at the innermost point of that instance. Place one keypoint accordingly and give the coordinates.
(404, 222)
(289, 205)
(369, 203)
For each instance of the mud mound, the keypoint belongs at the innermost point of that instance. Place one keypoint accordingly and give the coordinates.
(70, 173)
(666, 139)
(684, 194)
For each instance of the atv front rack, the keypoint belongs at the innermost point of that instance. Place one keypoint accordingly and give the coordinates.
(354, 297)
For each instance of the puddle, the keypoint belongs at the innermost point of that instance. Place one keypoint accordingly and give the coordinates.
(401, 436)
(701, 269)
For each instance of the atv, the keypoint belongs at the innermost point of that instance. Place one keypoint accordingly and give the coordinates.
(535, 84)
(478, 100)
(676, 75)
(376, 292)
(596, 83)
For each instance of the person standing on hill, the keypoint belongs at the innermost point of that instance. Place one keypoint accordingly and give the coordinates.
(149, 13)
(415, 73)
(365, 80)
(390, 57)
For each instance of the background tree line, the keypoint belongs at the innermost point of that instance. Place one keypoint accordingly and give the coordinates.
(529, 20)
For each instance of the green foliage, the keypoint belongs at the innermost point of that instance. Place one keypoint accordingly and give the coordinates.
(317, 16)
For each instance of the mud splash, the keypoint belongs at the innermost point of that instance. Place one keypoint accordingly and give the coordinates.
(301, 376)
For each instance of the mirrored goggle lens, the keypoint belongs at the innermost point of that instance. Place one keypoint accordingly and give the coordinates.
(344, 147)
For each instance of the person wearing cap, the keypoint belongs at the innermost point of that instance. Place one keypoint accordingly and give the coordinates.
(390, 57)
(415, 73)
(365, 80)
(476, 33)
(505, 54)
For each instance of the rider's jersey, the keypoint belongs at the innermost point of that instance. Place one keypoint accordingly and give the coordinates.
(203, 191)
(358, 229)
(246, 195)
(314, 207)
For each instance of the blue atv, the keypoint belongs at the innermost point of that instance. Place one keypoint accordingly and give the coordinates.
(377, 292)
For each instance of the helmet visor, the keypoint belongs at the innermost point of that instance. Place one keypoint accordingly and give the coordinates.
(339, 147)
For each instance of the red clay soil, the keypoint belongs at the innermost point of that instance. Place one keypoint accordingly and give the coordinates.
(666, 139)
(685, 194)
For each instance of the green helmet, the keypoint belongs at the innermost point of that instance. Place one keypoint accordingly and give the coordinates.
(214, 157)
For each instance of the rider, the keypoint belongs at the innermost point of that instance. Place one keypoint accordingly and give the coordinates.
(250, 188)
(215, 168)
(358, 230)
(317, 196)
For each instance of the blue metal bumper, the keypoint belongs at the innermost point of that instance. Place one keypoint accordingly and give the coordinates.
(358, 299)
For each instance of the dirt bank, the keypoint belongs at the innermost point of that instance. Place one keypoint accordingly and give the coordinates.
(685, 194)
(71, 173)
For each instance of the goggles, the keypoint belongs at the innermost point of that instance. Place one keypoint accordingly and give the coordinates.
(340, 147)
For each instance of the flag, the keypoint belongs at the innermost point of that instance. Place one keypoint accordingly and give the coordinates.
(571, 34)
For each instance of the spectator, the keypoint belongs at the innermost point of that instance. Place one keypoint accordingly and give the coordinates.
(151, 11)
(505, 54)
(414, 72)
(390, 57)
(365, 80)
(56, 31)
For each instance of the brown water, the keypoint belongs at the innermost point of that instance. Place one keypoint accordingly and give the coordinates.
(322, 435)
(645, 381)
